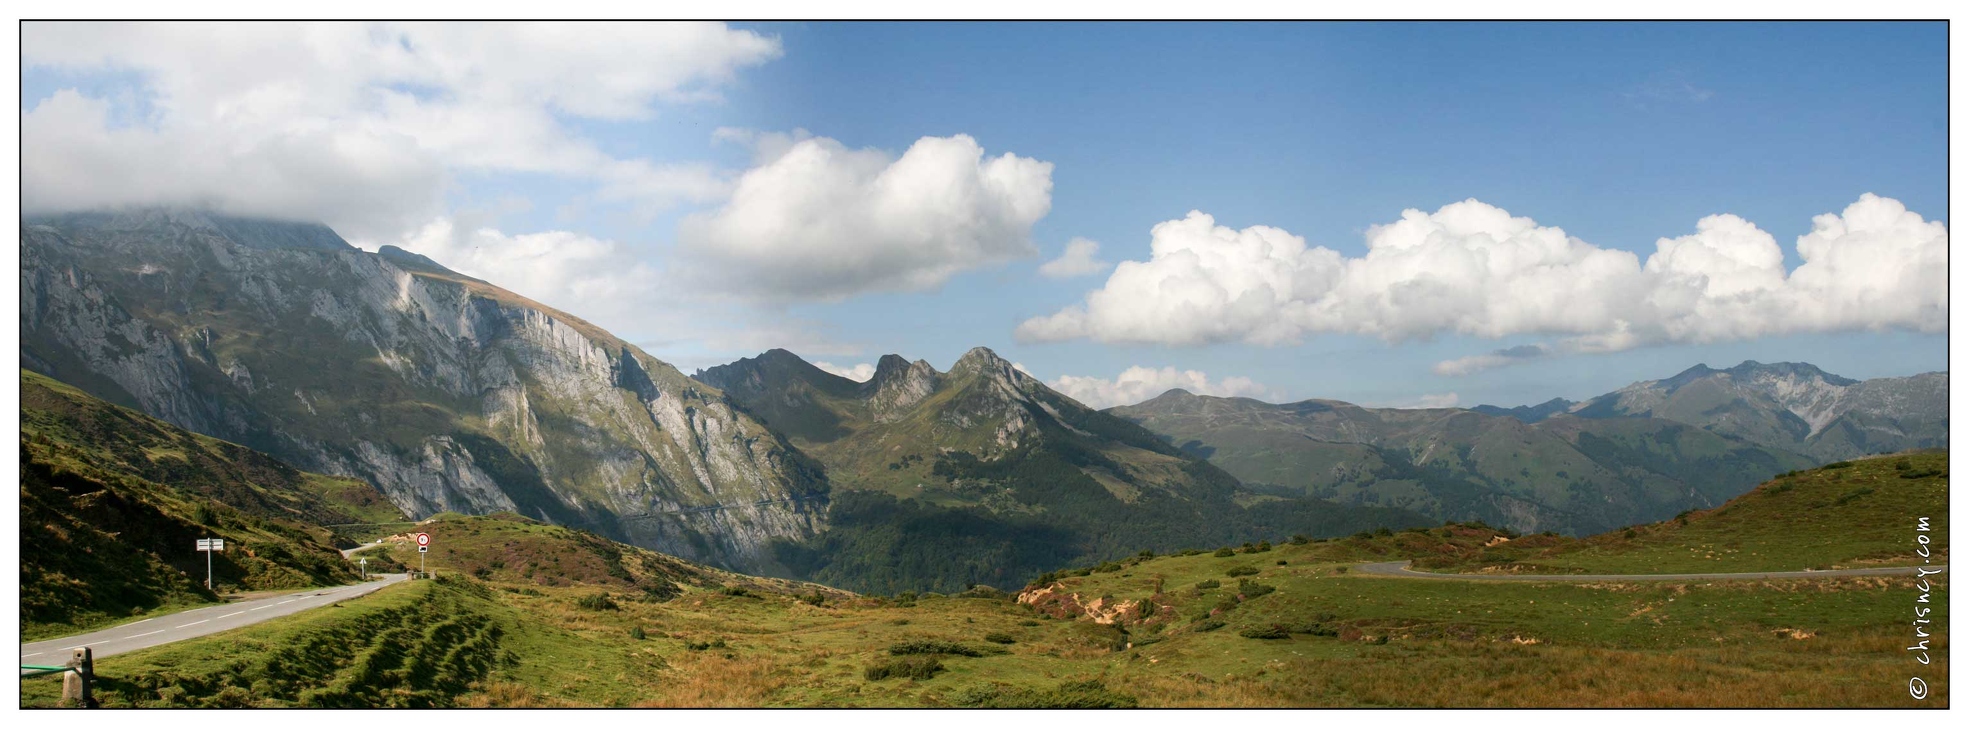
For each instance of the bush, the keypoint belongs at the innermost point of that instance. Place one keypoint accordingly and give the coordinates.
(598, 601)
(1241, 570)
(915, 668)
(736, 591)
(1090, 694)
(813, 598)
(1850, 495)
(705, 645)
(1341, 570)
(1000, 638)
(1300, 539)
(1208, 585)
(1384, 532)
(933, 647)
(1836, 466)
(637, 633)
(1265, 546)
(1209, 625)
(1146, 554)
(1281, 563)
(1107, 567)
(1269, 632)
(1029, 623)
(1251, 589)
(1226, 552)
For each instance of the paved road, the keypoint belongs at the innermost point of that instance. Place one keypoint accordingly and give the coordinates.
(193, 623)
(1400, 569)
(347, 553)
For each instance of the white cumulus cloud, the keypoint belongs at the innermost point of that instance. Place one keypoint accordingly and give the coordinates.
(1138, 383)
(359, 124)
(1474, 269)
(859, 372)
(1077, 260)
(820, 221)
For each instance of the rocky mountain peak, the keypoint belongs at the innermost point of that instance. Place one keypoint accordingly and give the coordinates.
(897, 385)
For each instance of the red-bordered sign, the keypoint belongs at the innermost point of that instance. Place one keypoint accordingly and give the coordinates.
(423, 540)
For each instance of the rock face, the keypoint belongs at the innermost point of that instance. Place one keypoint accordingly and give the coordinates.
(1793, 406)
(445, 392)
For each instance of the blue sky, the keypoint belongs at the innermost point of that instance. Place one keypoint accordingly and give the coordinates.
(1619, 134)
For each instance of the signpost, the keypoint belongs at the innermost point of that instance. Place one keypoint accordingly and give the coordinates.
(208, 546)
(364, 563)
(423, 545)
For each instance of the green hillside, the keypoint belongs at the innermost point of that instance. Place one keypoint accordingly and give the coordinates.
(113, 501)
(1287, 625)
(1860, 513)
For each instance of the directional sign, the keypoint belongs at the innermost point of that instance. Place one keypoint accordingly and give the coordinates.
(423, 540)
(211, 545)
(423, 549)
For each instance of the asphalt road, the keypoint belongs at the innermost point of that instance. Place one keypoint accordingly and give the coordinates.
(347, 553)
(1400, 569)
(194, 623)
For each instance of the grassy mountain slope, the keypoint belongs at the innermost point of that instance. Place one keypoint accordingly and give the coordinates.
(1563, 473)
(1269, 625)
(984, 475)
(112, 501)
(1860, 513)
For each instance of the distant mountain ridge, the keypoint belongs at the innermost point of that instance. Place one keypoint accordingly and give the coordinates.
(1562, 473)
(1793, 406)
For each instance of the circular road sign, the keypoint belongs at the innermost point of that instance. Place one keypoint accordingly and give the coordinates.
(423, 540)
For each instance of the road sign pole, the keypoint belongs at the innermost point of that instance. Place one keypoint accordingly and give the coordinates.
(208, 570)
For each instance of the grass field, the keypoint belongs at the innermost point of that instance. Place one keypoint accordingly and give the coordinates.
(1187, 630)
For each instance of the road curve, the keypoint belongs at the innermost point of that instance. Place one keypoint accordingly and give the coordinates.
(1400, 569)
(194, 623)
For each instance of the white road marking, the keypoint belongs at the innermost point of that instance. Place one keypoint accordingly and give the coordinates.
(262, 607)
(30, 655)
(134, 637)
(187, 625)
(284, 602)
(145, 620)
(223, 617)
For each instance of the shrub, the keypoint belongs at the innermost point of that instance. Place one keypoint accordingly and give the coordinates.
(598, 601)
(1300, 539)
(915, 668)
(1029, 623)
(1269, 632)
(1241, 570)
(1341, 570)
(1850, 495)
(1089, 694)
(1107, 567)
(705, 645)
(813, 598)
(637, 633)
(1251, 589)
(1208, 585)
(1363, 536)
(1384, 532)
(1226, 552)
(1836, 466)
(933, 647)
(1209, 625)
(736, 591)
(1000, 638)
(1146, 554)
(1265, 546)
(1281, 563)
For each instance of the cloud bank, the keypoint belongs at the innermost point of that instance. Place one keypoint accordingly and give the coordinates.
(1136, 384)
(359, 125)
(1474, 269)
(860, 373)
(821, 221)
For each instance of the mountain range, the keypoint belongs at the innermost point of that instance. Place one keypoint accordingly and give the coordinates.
(446, 393)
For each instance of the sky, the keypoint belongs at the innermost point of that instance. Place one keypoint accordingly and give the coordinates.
(1404, 214)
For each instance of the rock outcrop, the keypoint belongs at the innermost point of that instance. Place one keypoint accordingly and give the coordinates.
(445, 392)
